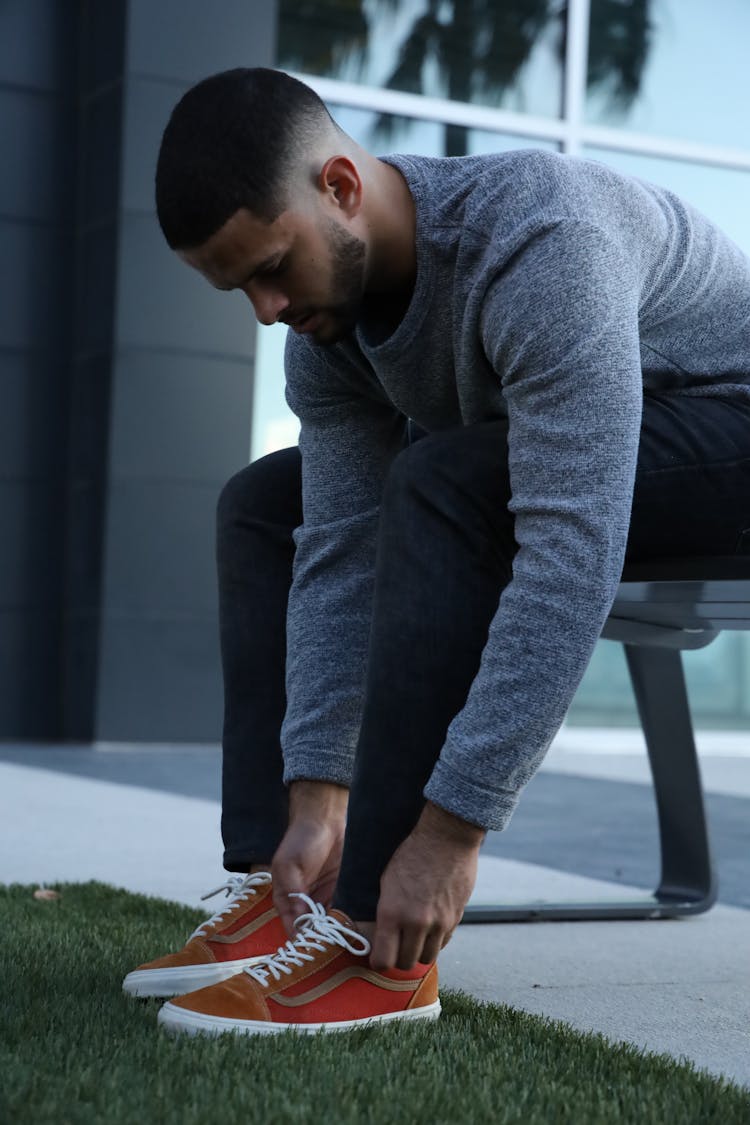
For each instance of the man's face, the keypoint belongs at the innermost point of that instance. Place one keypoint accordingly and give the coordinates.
(305, 270)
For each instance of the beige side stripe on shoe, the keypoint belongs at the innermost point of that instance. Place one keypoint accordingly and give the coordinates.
(339, 978)
(246, 930)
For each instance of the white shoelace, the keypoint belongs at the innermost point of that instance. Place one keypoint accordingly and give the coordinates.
(239, 888)
(316, 930)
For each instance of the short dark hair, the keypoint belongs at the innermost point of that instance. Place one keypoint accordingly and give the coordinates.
(231, 142)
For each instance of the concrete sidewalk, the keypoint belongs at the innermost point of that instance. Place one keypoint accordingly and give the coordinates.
(682, 986)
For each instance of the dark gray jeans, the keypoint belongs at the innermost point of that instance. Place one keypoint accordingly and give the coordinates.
(445, 546)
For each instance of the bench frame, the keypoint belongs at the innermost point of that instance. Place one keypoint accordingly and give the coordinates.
(660, 610)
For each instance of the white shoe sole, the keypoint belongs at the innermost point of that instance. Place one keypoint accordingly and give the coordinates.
(175, 1019)
(184, 978)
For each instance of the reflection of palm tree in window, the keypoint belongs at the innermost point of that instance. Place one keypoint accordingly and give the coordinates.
(477, 48)
(620, 33)
(318, 36)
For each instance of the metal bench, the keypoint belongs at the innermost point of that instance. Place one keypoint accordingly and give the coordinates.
(660, 609)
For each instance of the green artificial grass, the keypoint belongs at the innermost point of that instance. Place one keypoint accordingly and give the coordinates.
(74, 1049)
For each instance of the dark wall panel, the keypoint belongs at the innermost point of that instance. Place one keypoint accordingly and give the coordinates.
(164, 304)
(33, 392)
(101, 38)
(180, 411)
(96, 282)
(35, 146)
(36, 42)
(161, 681)
(33, 310)
(148, 104)
(126, 380)
(37, 140)
(160, 549)
(185, 40)
(29, 646)
(31, 526)
(196, 426)
(99, 162)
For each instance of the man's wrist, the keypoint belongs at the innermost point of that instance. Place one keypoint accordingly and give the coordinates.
(440, 824)
(315, 800)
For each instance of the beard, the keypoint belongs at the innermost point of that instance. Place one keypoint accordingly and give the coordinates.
(347, 286)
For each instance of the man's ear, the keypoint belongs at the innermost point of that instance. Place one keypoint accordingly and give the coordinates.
(339, 178)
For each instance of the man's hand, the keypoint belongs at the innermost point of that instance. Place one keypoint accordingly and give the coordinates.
(309, 856)
(424, 889)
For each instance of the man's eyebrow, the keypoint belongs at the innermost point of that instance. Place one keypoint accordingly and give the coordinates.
(264, 265)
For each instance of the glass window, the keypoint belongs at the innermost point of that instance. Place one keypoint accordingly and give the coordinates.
(675, 68)
(274, 425)
(714, 677)
(383, 133)
(745, 670)
(480, 141)
(494, 52)
(720, 193)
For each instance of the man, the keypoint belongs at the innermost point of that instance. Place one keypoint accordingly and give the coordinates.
(512, 372)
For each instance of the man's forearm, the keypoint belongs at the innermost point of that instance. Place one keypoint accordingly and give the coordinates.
(317, 800)
(444, 826)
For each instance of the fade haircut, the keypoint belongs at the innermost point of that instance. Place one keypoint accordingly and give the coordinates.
(234, 140)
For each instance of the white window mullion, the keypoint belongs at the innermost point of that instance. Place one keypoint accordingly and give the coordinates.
(620, 140)
(423, 108)
(576, 71)
(571, 132)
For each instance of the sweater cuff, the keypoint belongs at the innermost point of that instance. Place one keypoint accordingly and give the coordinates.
(310, 762)
(469, 801)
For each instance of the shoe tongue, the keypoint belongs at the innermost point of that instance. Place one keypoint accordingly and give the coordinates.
(343, 918)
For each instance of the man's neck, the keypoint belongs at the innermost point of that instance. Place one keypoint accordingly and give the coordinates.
(392, 216)
(382, 313)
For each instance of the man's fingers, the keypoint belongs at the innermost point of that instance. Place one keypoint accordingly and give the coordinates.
(410, 948)
(433, 943)
(402, 947)
(287, 910)
(306, 861)
(400, 942)
(385, 947)
(446, 937)
(287, 878)
(324, 886)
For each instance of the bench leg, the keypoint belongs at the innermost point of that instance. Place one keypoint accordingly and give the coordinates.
(687, 885)
(658, 679)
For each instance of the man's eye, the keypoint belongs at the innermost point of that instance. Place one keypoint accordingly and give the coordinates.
(277, 268)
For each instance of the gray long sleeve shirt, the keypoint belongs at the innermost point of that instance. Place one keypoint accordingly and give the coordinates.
(550, 291)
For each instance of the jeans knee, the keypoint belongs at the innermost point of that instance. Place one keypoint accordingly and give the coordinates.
(459, 480)
(269, 489)
(421, 469)
(232, 498)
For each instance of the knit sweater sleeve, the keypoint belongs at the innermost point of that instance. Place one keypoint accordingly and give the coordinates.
(560, 328)
(349, 436)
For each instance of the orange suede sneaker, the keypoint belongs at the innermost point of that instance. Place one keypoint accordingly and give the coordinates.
(318, 980)
(246, 930)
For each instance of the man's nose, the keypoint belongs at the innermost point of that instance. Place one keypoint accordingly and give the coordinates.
(267, 303)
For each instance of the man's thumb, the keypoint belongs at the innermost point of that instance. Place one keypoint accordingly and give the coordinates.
(287, 879)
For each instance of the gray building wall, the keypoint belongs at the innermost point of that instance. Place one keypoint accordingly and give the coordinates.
(126, 381)
(37, 119)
